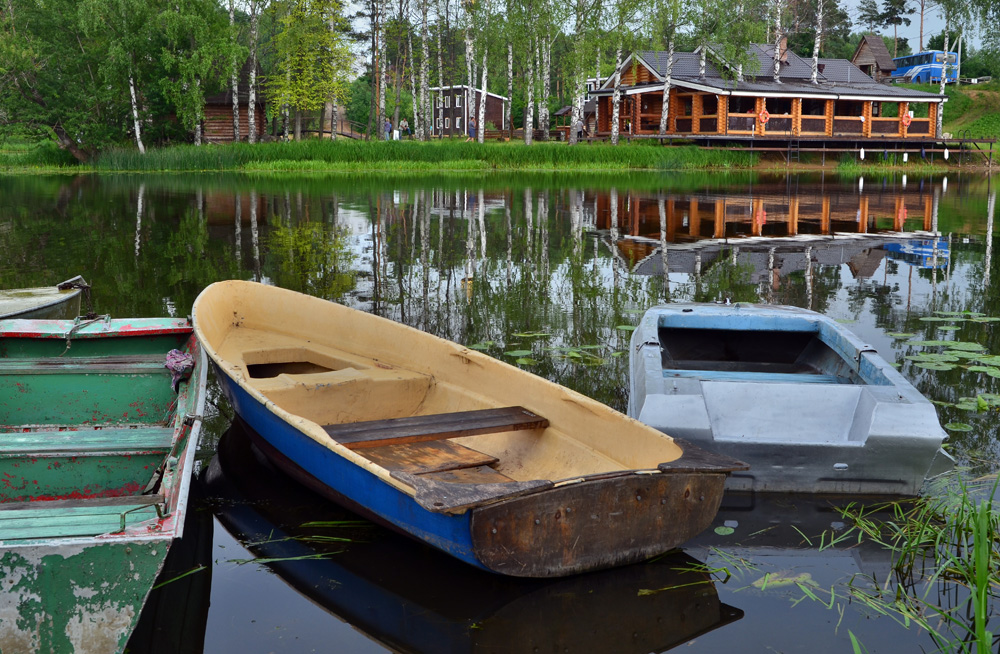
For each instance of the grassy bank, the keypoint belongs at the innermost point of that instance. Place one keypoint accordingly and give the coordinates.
(21, 155)
(972, 110)
(350, 156)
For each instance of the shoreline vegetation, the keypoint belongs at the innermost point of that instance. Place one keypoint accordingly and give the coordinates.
(450, 156)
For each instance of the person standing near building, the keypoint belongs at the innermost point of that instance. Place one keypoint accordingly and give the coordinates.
(388, 129)
(472, 130)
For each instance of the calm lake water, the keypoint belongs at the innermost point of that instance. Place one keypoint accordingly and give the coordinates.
(560, 266)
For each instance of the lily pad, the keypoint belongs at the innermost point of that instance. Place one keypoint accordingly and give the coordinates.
(485, 345)
(958, 426)
(929, 343)
(527, 361)
(963, 354)
(782, 579)
(898, 335)
(931, 357)
(934, 365)
(942, 403)
(724, 531)
(846, 321)
(985, 319)
(965, 345)
(626, 328)
(518, 353)
(989, 359)
(949, 328)
(948, 313)
(531, 334)
(938, 319)
(986, 369)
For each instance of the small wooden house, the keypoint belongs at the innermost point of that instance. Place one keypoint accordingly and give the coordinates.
(843, 102)
(873, 58)
(451, 113)
(218, 123)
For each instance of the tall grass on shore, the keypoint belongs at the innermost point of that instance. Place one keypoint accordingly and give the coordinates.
(344, 154)
(23, 155)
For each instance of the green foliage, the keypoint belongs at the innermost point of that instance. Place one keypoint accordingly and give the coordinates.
(312, 55)
(317, 260)
(728, 279)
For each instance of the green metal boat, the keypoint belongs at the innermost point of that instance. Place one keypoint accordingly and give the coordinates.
(97, 443)
(44, 302)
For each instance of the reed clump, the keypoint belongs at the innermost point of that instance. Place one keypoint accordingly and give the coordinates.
(951, 536)
(348, 155)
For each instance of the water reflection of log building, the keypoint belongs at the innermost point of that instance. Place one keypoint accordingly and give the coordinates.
(772, 227)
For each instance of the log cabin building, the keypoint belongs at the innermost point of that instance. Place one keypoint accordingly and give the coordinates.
(218, 121)
(844, 103)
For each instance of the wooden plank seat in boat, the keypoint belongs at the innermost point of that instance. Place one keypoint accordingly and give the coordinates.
(80, 442)
(129, 363)
(438, 426)
(69, 518)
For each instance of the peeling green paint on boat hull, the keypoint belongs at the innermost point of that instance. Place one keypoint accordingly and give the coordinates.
(75, 598)
(96, 455)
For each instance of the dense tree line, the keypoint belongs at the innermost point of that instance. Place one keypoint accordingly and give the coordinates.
(95, 73)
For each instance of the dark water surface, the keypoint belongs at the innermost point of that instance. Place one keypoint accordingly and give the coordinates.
(559, 266)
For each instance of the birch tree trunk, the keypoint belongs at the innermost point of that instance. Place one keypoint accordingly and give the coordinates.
(480, 126)
(425, 99)
(235, 78)
(508, 104)
(381, 89)
(543, 113)
(418, 126)
(577, 116)
(440, 80)
(665, 110)
(777, 41)
(200, 118)
(252, 92)
(944, 76)
(529, 102)
(597, 85)
(616, 97)
(470, 78)
(538, 82)
(135, 115)
(702, 61)
(816, 42)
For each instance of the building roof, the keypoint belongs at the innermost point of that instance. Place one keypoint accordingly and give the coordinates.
(876, 47)
(838, 79)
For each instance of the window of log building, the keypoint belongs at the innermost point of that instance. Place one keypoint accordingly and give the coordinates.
(779, 106)
(739, 104)
(709, 105)
(848, 108)
(685, 104)
(813, 107)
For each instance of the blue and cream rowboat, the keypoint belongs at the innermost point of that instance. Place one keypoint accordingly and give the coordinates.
(495, 466)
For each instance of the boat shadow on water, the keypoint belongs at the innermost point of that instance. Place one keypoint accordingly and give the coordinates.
(412, 598)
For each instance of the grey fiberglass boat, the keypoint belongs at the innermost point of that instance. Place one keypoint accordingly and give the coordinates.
(793, 393)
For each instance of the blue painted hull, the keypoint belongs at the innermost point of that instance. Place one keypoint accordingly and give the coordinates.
(343, 480)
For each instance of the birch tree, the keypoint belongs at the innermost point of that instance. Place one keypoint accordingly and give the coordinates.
(254, 7)
(313, 60)
(130, 23)
(670, 15)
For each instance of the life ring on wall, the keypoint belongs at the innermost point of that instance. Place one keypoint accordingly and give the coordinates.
(907, 120)
(763, 116)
